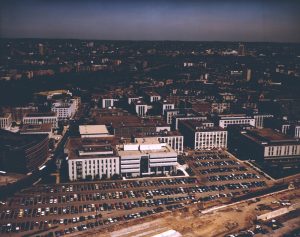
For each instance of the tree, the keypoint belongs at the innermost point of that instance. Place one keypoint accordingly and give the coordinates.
(116, 177)
(88, 178)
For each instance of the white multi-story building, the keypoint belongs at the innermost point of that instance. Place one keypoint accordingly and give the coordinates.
(91, 158)
(297, 131)
(147, 156)
(210, 138)
(225, 120)
(64, 110)
(166, 106)
(259, 119)
(169, 115)
(140, 108)
(41, 118)
(108, 102)
(220, 107)
(5, 121)
(152, 96)
(201, 135)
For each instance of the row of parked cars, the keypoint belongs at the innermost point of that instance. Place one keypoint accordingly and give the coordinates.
(223, 170)
(233, 176)
(216, 163)
(107, 185)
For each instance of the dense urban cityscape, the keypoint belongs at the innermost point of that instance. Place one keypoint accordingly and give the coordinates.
(132, 130)
(168, 118)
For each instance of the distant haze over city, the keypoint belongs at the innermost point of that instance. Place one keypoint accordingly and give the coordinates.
(266, 21)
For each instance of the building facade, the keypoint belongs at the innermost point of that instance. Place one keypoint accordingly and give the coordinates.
(91, 158)
(225, 120)
(108, 102)
(41, 118)
(201, 136)
(64, 110)
(5, 120)
(146, 157)
(268, 146)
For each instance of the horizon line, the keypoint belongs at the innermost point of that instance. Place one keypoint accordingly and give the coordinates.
(148, 40)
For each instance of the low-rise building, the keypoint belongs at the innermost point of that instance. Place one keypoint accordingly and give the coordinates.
(140, 108)
(183, 117)
(65, 110)
(260, 118)
(5, 120)
(200, 135)
(91, 158)
(165, 105)
(267, 145)
(41, 118)
(45, 128)
(220, 107)
(108, 101)
(225, 120)
(145, 157)
(169, 115)
(152, 96)
(173, 138)
(89, 131)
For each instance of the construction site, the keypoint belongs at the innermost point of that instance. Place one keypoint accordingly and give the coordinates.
(235, 219)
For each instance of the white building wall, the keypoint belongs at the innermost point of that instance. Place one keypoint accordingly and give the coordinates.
(41, 120)
(210, 139)
(297, 131)
(176, 142)
(5, 122)
(93, 166)
(283, 150)
(223, 123)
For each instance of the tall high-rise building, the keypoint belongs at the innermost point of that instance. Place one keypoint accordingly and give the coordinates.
(241, 50)
(248, 74)
(41, 49)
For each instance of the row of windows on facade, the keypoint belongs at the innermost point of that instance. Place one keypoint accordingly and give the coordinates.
(94, 161)
(279, 150)
(237, 121)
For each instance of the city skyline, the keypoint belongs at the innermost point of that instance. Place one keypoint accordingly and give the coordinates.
(232, 20)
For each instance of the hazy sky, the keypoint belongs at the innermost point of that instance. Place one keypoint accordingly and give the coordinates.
(220, 20)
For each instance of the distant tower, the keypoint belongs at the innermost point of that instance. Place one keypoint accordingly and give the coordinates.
(41, 49)
(248, 75)
(90, 44)
(241, 50)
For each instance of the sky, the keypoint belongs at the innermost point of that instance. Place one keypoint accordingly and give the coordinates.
(202, 20)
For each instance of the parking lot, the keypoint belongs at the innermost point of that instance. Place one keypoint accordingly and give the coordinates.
(56, 210)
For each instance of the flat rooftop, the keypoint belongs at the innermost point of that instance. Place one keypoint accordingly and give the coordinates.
(197, 125)
(226, 116)
(46, 114)
(78, 146)
(152, 93)
(30, 128)
(144, 146)
(92, 129)
(139, 102)
(160, 134)
(46, 93)
(270, 136)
